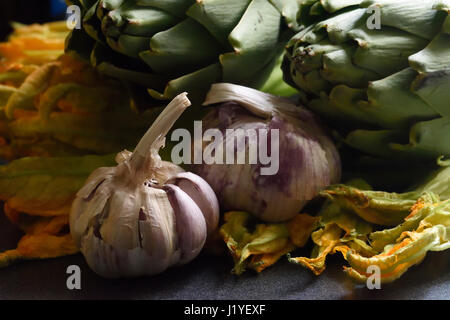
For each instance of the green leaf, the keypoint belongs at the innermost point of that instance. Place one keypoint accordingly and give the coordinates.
(219, 17)
(434, 57)
(46, 186)
(198, 81)
(181, 49)
(253, 40)
(384, 51)
(176, 7)
(391, 104)
(431, 137)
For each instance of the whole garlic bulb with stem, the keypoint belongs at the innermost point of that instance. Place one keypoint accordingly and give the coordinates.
(307, 159)
(144, 215)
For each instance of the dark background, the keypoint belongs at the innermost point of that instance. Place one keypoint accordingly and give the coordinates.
(28, 11)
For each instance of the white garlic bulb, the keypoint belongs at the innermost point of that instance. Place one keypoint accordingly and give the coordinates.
(144, 215)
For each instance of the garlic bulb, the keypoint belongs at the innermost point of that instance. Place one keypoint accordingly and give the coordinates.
(144, 215)
(288, 156)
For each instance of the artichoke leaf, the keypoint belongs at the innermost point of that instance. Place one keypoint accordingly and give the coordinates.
(434, 88)
(175, 7)
(416, 17)
(220, 17)
(140, 21)
(392, 142)
(198, 80)
(335, 5)
(401, 71)
(269, 79)
(339, 26)
(253, 40)
(393, 45)
(391, 104)
(289, 10)
(427, 137)
(434, 57)
(92, 25)
(182, 48)
(338, 67)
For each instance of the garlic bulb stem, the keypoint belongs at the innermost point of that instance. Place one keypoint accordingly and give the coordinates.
(162, 124)
(145, 157)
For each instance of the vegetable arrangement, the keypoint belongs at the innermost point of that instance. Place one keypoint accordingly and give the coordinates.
(59, 121)
(381, 93)
(369, 228)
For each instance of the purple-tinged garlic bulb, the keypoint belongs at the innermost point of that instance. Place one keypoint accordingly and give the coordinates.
(288, 156)
(144, 215)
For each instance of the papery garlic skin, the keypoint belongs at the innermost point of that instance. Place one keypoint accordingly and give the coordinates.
(133, 220)
(308, 158)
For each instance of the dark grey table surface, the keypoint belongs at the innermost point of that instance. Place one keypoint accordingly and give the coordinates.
(208, 278)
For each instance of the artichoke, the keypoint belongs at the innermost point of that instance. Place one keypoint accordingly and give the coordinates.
(185, 45)
(385, 89)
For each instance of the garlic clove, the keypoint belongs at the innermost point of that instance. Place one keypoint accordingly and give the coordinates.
(189, 223)
(156, 230)
(83, 210)
(202, 194)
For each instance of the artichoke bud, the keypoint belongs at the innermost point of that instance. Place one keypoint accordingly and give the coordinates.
(282, 155)
(145, 214)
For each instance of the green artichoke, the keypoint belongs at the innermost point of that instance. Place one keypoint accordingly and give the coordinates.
(386, 89)
(171, 46)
